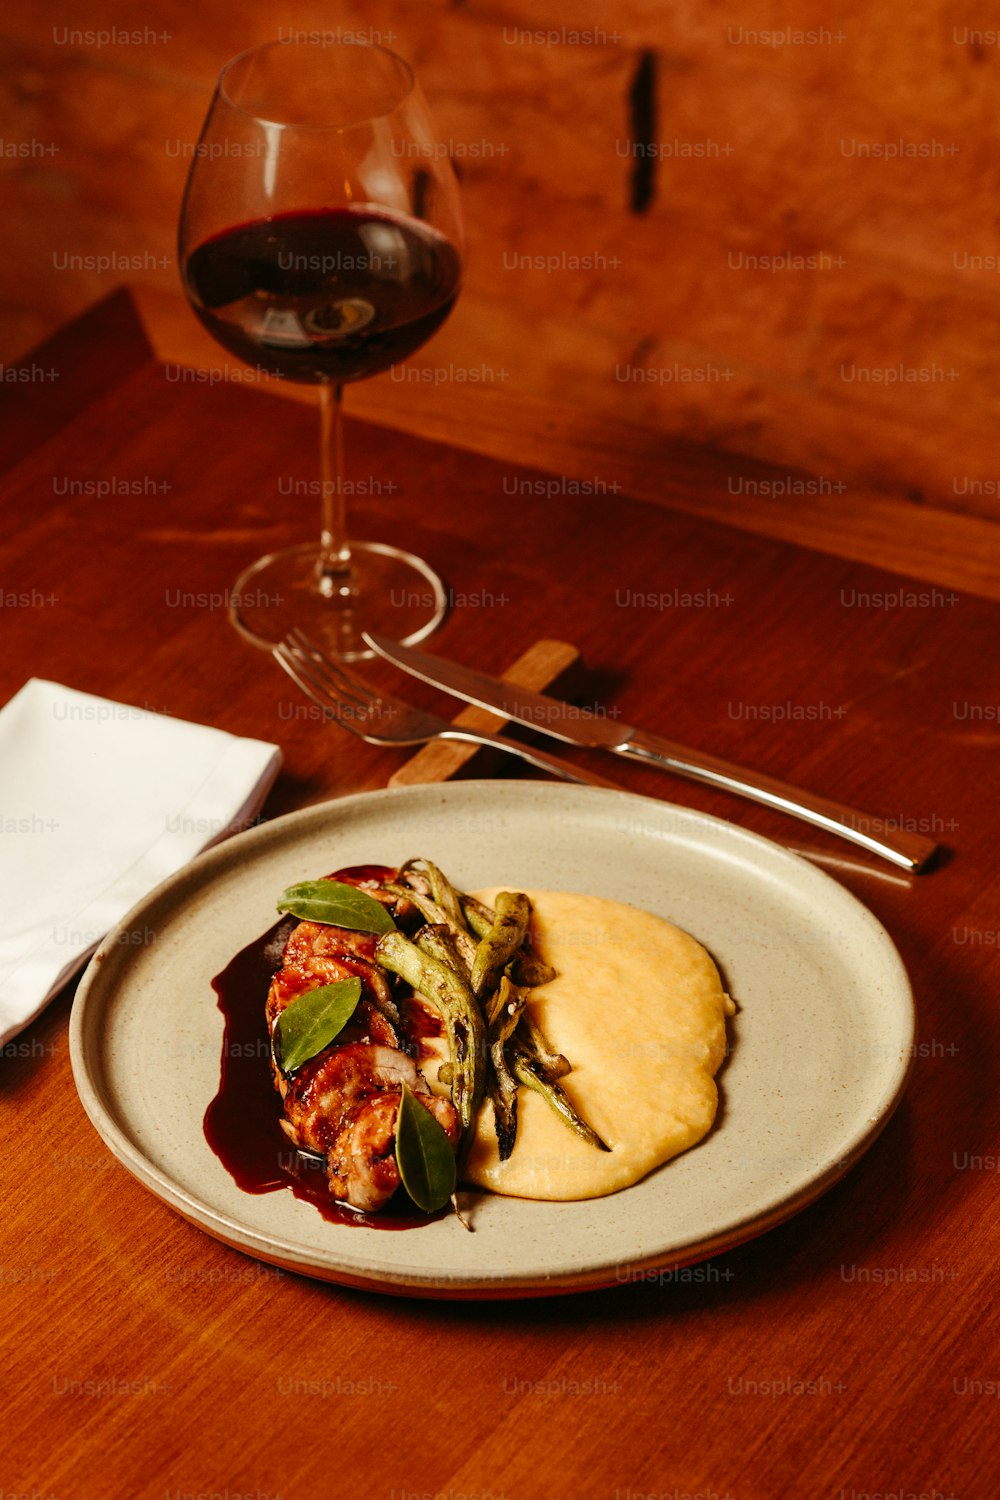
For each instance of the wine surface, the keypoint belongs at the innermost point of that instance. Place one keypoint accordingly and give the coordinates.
(325, 295)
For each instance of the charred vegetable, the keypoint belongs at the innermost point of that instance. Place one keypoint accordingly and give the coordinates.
(351, 1089)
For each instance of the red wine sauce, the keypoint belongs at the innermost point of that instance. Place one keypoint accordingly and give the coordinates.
(242, 1123)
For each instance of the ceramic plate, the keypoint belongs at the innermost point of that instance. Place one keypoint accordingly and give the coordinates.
(821, 1045)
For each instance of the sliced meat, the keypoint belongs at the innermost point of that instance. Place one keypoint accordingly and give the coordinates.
(362, 1166)
(343, 1102)
(319, 1099)
(368, 1024)
(325, 955)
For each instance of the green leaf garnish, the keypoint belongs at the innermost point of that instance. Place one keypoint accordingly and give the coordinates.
(312, 1021)
(423, 1154)
(337, 904)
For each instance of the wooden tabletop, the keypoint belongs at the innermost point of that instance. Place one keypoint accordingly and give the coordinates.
(851, 1351)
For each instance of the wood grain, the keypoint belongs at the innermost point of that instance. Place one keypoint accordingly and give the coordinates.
(873, 361)
(814, 510)
(551, 665)
(851, 1349)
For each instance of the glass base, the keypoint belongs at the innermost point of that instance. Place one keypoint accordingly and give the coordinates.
(387, 591)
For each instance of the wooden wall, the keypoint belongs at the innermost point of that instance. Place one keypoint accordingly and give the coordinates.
(788, 220)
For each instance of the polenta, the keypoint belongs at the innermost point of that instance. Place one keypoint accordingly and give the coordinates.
(639, 1008)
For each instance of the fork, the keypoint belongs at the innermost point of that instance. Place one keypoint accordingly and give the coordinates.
(380, 719)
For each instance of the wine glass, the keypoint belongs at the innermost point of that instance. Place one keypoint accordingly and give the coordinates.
(321, 241)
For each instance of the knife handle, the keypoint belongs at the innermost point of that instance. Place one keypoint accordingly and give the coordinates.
(909, 850)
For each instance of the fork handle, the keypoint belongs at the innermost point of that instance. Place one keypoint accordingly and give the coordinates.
(537, 758)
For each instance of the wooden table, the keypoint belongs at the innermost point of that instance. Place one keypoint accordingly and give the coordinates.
(849, 1352)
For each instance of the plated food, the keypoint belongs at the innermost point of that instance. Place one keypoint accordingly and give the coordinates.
(421, 1036)
(638, 1007)
(807, 1088)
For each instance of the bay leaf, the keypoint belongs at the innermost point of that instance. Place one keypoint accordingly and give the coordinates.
(336, 904)
(423, 1154)
(312, 1022)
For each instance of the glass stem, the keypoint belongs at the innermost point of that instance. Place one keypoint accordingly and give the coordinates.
(334, 565)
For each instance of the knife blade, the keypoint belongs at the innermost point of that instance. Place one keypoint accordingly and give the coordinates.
(582, 726)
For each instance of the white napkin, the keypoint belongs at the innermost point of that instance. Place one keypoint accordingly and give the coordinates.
(99, 803)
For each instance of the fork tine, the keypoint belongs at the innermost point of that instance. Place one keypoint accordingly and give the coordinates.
(350, 702)
(333, 677)
(396, 722)
(293, 666)
(304, 645)
(343, 685)
(298, 642)
(340, 683)
(376, 717)
(348, 715)
(361, 702)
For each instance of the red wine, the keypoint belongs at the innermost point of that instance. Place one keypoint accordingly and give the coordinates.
(326, 295)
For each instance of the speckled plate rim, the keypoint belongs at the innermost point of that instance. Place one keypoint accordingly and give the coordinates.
(765, 858)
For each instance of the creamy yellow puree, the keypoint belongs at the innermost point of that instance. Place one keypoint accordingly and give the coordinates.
(638, 1008)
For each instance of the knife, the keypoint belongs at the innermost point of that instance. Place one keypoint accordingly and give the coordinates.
(582, 726)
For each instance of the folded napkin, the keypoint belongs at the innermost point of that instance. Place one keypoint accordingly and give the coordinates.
(99, 803)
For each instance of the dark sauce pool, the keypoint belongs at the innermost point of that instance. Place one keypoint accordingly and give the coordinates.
(242, 1123)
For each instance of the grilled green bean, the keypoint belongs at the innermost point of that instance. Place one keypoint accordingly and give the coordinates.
(503, 1012)
(414, 877)
(551, 1064)
(450, 994)
(497, 948)
(479, 985)
(439, 942)
(526, 1071)
(442, 890)
(478, 917)
(437, 917)
(529, 970)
